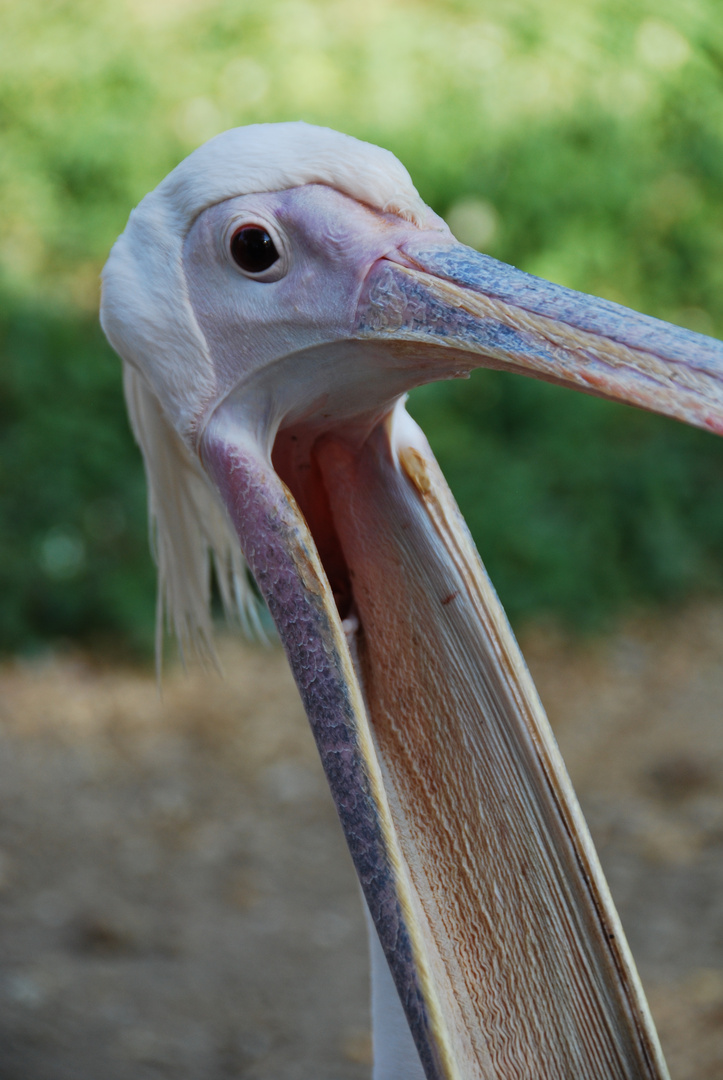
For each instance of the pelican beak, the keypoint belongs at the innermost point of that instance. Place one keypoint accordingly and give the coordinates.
(500, 317)
(476, 864)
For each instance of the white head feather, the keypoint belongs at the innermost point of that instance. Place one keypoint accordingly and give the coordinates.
(170, 382)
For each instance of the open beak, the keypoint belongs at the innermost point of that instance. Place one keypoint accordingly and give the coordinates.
(476, 864)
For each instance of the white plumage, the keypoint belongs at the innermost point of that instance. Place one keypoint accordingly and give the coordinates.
(171, 384)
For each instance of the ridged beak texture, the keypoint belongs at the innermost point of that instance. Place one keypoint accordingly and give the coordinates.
(455, 296)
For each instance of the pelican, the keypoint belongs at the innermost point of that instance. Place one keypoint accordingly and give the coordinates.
(273, 300)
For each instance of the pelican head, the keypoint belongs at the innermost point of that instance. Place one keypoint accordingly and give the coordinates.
(273, 301)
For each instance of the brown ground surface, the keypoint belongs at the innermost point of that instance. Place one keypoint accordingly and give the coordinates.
(175, 895)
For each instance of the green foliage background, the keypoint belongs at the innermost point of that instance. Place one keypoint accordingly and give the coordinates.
(579, 139)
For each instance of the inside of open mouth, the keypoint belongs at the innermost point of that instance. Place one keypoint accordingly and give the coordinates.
(296, 460)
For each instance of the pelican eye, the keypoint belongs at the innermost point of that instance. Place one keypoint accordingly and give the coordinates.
(253, 249)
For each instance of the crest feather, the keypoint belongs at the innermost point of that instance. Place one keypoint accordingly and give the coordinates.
(190, 532)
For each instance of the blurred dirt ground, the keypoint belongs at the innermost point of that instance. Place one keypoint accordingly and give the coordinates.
(175, 895)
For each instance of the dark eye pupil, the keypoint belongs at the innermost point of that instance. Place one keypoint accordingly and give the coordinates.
(253, 249)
